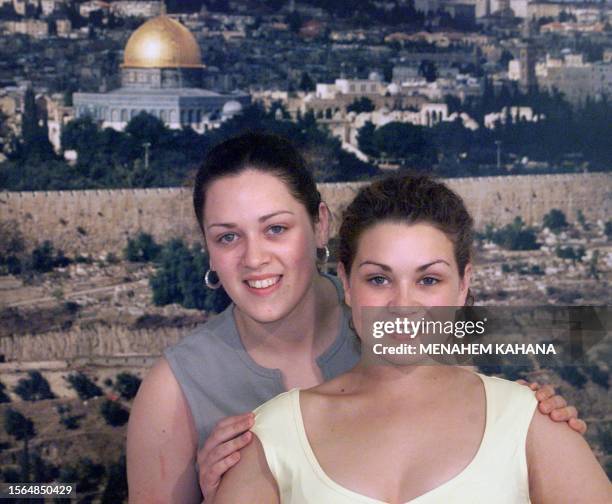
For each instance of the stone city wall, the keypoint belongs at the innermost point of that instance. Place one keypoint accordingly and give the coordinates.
(100, 221)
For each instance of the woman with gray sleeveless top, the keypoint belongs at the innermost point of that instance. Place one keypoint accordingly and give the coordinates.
(265, 228)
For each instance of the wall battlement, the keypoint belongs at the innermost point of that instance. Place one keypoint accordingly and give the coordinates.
(101, 220)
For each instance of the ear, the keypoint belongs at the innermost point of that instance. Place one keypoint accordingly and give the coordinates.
(345, 283)
(464, 284)
(322, 225)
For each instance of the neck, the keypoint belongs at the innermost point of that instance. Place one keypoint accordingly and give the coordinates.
(303, 329)
(388, 380)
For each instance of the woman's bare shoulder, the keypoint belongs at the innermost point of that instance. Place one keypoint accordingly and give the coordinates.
(562, 466)
(250, 480)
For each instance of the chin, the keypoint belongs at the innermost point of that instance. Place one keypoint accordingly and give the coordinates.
(266, 316)
(264, 310)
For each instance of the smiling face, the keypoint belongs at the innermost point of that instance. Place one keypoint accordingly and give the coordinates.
(403, 265)
(262, 243)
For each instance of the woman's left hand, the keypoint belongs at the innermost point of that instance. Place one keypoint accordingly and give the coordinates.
(555, 406)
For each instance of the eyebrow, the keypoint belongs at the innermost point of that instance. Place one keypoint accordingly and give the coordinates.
(263, 218)
(388, 268)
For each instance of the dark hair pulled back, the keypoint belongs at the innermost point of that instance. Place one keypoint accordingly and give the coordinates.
(262, 152)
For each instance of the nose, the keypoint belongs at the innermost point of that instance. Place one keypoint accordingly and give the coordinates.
(404, 301)
(255, 254)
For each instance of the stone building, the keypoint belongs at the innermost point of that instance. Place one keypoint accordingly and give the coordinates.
(162, 74)
(575, 78)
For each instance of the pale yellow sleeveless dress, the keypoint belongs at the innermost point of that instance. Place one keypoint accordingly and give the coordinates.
(497, 473)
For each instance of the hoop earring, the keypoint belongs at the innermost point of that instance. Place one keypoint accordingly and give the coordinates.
(208, 283)
(325, 256)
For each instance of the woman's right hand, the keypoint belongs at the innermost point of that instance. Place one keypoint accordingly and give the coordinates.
(221, 451)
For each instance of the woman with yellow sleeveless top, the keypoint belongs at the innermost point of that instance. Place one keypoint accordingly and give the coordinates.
(382, 432)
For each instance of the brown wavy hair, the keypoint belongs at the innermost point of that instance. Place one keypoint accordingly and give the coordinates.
(409, 199)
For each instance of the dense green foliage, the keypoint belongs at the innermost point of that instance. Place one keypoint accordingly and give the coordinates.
(555, 220)
(14, 259)
(564, 137)
(113, 159)
(180, 279)
(574, 254)
(515, 236)
(141, 249)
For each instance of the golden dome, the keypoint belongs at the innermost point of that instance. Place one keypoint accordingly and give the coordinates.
(162, 42)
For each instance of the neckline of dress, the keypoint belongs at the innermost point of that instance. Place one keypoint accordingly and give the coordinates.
(365, 499)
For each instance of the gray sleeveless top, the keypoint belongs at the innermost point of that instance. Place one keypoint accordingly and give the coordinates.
(219, 378)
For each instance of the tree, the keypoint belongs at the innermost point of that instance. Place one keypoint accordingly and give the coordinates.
(34, 388)
(574, 254)
(4, 398)
(81, 135)
(515, 236)
(84, 387)
(146, 128)
(306, 83)
(35, 138)
(12, 247)
(141, 249)
(17, 425)
(180, 279)
(428, 69)
(127, 385)
(365, 139)
(116, 489)
(114, 414)
(363, 104)
(406, 142)
(555, 220)
(42, 257)
(29, 120)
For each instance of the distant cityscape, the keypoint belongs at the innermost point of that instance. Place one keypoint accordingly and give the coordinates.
(108, 107)
(482, 66)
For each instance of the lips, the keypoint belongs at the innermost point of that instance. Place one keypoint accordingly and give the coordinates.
(263, 285)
